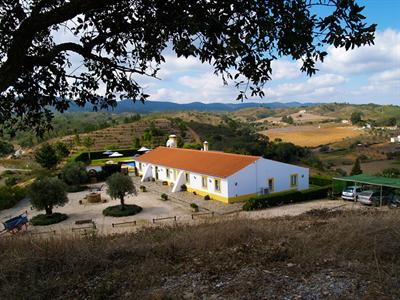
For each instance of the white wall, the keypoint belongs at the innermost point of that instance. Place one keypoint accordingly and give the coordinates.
(251, 179)
(254, 177)
(195, 179)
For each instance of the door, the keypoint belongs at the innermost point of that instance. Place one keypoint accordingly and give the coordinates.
(156, 171)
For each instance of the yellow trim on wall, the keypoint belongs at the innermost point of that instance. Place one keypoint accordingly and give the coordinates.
(220, 197)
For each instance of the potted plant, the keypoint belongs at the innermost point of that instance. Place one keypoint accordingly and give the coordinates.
(142, 188)
(194, 207)
(207, 197)
(183, 188)
(164, 197)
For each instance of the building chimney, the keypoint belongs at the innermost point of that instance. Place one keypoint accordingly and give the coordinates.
(172, 141)
(205, 146)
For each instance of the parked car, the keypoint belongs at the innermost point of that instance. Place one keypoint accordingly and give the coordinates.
(373, 197)
(351, 193)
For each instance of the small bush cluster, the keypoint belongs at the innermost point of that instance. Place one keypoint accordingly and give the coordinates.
(116, 211)
(183, 188)
(286, 197)
(142, 188)
(9, 196)
(44, 220)
(164, 196)
(207, 197)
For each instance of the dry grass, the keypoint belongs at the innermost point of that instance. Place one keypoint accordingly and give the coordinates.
(318, 255)
(312, 136)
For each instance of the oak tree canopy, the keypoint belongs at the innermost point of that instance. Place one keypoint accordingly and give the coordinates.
(119, 40)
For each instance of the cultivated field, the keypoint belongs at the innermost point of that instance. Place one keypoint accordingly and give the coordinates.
(312, 136)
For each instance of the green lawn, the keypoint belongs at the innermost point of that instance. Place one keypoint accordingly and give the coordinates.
(102, 161)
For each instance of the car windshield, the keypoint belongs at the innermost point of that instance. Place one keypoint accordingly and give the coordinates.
(366, 193)
(349, 190)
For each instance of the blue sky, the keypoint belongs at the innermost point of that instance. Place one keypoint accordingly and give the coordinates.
(364, 75)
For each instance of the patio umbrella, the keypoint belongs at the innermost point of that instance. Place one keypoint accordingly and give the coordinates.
(116, 154)
(143, 149)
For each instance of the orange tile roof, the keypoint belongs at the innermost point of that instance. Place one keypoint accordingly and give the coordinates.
(212, 163)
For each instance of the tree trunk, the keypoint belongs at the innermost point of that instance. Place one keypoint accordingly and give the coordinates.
(122, 202)
(89, 154)
(49, 210)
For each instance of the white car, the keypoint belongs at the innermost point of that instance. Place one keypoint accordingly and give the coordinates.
(351, 193)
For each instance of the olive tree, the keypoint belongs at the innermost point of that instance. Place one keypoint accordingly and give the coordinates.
(120, 186)
(119, 41)
(47, 193)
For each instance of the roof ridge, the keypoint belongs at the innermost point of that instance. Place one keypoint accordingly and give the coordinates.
(212, 151)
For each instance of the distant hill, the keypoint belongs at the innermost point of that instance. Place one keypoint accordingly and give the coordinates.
(160, 106)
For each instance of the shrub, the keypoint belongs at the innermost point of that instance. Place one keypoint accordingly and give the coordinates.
(164, 196)
(74, 173)
(6, 148)
(9, 196)
(207, 197)
(165, 183)
(117, 211)
(12, 180)
(286, 197)
(44, 220)
(194, 205)
(142, 188)
(183, 188)
(320, 181)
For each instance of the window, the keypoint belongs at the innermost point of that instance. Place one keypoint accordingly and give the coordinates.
(217, 185)
(271, 184)
(187, 178)
(167, 173)
(293, 180)
(204, 181)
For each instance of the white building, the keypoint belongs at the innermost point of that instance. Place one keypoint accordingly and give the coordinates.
(225, 177)
(395, 139)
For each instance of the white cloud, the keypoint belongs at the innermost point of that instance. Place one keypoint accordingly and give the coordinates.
(385, 54)
(283, 69)
(388, 75)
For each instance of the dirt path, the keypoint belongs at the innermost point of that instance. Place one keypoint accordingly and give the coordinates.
(195, 135)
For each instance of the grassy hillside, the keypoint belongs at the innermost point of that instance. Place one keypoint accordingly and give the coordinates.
(320, 255)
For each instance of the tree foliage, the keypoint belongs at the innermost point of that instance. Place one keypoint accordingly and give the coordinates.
(120, 186)
(356, 117)
(74, 173)
(356, 170)
(119, 41)
(6, 148)
(46, 193)
(46, 156)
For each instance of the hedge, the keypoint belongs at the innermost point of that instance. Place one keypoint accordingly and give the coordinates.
(286, 197)
(84, 156)
(320, 181)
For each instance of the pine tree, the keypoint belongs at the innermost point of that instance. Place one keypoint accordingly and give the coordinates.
(356, 168)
